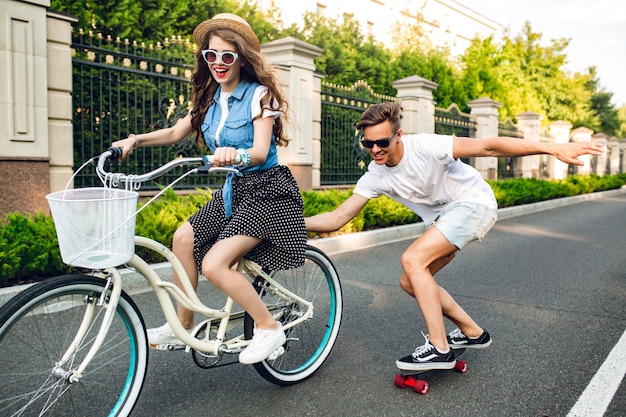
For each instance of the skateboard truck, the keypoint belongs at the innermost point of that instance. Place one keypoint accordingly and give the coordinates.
(421, 386)
(411, 378)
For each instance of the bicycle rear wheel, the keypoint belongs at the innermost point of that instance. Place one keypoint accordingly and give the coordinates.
(309, 343)
(36, 329)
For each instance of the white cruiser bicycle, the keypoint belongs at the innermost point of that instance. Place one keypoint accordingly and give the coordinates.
(76, 345)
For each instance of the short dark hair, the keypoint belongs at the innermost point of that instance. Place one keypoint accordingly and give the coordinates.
(379, 113)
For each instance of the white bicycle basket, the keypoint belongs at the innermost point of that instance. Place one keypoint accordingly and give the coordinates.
(95, 226)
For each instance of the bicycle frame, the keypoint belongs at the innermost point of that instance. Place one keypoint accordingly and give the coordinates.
(187, 297)
(114, 295)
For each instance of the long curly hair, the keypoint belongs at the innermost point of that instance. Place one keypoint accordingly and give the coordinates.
(254, 69)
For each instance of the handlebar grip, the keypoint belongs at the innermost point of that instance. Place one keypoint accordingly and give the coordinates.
(116, 153)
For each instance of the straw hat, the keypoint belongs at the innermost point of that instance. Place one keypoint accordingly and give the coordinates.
(226, 21)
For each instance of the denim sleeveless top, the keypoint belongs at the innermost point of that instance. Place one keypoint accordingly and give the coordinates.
(237, 132)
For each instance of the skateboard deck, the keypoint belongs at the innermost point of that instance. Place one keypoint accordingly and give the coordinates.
(412, 379)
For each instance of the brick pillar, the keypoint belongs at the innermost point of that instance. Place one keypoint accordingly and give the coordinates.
(613, 150)
(60, 110)
(582, 134)
(529, 123)
(485, 111)
(560, 131)
(295, 67)
(418, 107)
(23, 107)
(622, 147)
(600, 165)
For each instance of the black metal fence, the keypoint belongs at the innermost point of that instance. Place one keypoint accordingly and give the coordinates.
(452, 121)
(120, 88)
(509, 167)
(343, 160)
(508, 129)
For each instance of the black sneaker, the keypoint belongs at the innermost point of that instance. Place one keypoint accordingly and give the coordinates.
(458, 340)
(427, 357)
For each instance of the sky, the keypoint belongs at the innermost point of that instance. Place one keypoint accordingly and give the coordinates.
(596, 29)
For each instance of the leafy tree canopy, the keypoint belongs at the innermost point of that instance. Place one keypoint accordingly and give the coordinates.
(524, 75)
(520, 72)
(156, 20)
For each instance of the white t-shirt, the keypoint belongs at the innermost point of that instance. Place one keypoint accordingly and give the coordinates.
(260, 91)
(427, 178)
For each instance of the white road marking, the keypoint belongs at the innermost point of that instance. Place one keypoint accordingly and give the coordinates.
(596, 398)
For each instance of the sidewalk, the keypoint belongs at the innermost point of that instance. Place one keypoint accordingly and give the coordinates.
(134, 282)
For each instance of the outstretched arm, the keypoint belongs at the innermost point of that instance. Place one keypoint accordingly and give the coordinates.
(161, 137)
(334, 220)
(510, 147)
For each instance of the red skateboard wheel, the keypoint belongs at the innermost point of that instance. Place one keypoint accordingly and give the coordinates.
(418, 385)
(461, 367)
(399, 381)
(421, 387)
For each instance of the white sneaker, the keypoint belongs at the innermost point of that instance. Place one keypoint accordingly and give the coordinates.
(263, 344)
(162, 337)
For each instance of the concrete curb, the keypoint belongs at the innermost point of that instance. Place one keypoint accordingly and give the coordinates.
(134, 282)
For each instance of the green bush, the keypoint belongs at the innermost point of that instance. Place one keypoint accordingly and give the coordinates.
(385, 212)
(326, 200)
(160, 219)
(29, 249)
(513, 192)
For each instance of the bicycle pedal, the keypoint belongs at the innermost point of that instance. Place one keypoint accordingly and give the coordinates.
(169, 347)
(275, 354)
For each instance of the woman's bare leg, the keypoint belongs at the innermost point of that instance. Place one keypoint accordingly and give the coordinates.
(182, 246)
(217, 267)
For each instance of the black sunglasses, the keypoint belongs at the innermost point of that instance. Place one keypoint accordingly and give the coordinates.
(381, 143)
(228, 58)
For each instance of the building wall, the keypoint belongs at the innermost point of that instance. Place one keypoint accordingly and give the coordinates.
(35, 104)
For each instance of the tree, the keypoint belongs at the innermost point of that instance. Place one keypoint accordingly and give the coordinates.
(610, 122)
(339, 41)
(524, 75)
(480, 64)
(347, 55)
(156, 20)
(520, 72)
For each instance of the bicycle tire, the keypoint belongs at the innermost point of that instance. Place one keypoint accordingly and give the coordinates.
(309, 343)
(38, 325)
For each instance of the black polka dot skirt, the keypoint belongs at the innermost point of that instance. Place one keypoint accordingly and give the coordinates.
(266, 205)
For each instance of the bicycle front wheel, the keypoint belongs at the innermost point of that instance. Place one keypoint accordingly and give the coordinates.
(309, 343)
(37, 328)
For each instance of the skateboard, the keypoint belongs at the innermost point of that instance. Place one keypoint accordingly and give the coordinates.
(411, 378)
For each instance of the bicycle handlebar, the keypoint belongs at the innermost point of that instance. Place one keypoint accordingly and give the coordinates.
(204, 165)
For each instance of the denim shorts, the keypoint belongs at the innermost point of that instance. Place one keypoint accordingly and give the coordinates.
(464, 222)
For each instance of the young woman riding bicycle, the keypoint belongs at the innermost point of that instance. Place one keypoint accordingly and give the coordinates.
(237, 113)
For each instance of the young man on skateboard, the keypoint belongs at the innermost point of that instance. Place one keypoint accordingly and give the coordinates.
(424, 172)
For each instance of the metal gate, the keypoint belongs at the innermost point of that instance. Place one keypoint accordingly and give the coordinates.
(120, 88)
(343, 160)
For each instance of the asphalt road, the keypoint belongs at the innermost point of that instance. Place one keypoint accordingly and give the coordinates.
(550, 287)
